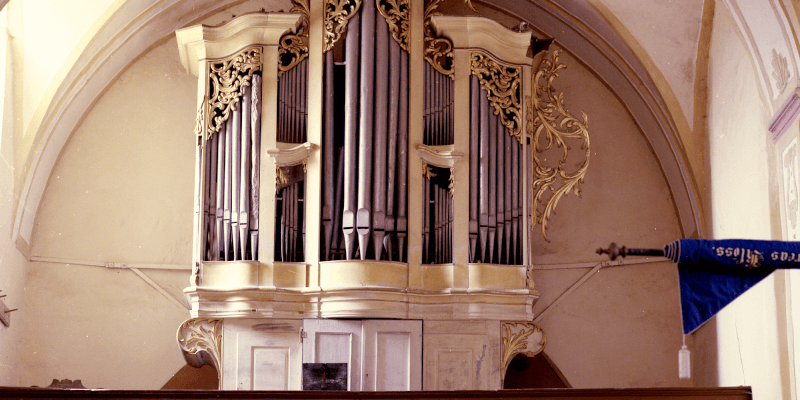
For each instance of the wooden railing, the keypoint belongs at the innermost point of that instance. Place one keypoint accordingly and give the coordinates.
(735, 393)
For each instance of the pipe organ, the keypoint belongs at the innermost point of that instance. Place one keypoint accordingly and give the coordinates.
(362, 160)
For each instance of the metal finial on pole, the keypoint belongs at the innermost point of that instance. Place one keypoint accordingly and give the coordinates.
(615, 251)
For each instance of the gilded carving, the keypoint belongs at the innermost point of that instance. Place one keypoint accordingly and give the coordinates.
(549, 123)
(438, 50)
(452, 186)
(396, 13)
(293, 47)
(281, 177)
(200, 341)
(227, 79)
(200, 119)
(516, 338)
(337, 14)
(780, 71)
(503, 85)
(427, 171)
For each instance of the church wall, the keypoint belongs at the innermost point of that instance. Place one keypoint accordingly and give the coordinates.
(121, 193)
(12, 262)
(43, 55)
(748, 331)
(625, 318)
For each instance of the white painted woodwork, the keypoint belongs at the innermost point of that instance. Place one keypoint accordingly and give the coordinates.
(261, 354)
(335, 341)
(392, 355)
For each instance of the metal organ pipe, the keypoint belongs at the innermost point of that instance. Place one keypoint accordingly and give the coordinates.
(350, 132)
(380, 133)
(328, 158)
(366, 100)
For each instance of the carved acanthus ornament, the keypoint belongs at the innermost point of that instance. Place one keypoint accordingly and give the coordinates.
(200, 341)
(503, 85)
(438, 50)
(227, 79)
(780, 71)
(337, 14)
(201, 117)
(427, 171)
(517, 336)
(396, 13)
(549, 122)
(293, 47)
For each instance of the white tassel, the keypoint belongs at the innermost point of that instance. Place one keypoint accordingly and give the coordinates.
(684, 362)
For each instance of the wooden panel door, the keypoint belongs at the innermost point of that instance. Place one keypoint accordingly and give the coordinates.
(335, 341)
(261, 354)
(392, 355)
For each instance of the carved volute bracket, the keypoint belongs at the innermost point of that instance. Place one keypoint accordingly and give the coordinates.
(550, 123)
(200, 341)
(396, 13)
(337, 14)
(442, 157)
(519, 338)
(293, 47)
(503, 86)
(288, 155)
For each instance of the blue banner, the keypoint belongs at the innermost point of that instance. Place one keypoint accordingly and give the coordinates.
(715, 272)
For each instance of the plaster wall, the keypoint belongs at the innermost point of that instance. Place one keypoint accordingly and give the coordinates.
(44, 53)
(12, 262)
(625, 318)
(747, 329)
(121, 192)
(669, 32)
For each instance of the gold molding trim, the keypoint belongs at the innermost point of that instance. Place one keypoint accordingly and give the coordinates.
(396, 13)
(549, 122)
(503, 85)
(438, 50)
(227, 79)
(200, 341)
(293, 47)
(516, 336)
(337, 14)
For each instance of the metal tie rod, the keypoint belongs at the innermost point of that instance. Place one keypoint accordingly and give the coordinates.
(615, 251)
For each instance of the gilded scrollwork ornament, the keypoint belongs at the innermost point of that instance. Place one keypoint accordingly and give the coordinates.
(227, 79)
(281, 178)
(550, 123)
(200, 341)
(396, 13)
(438, 50)
(516, 337)
(451, 187)
(503, 86)
(293, 47)
(337, 14)
(427, 171)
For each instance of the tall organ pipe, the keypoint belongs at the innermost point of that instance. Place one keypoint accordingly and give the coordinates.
(366, 101)
(350, 132)
(402, 165)
(244, 173)
(474, 157)
(328, 157)
(394, 104)
(380, 133)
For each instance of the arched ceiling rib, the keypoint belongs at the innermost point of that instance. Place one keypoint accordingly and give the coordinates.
(138, 24)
